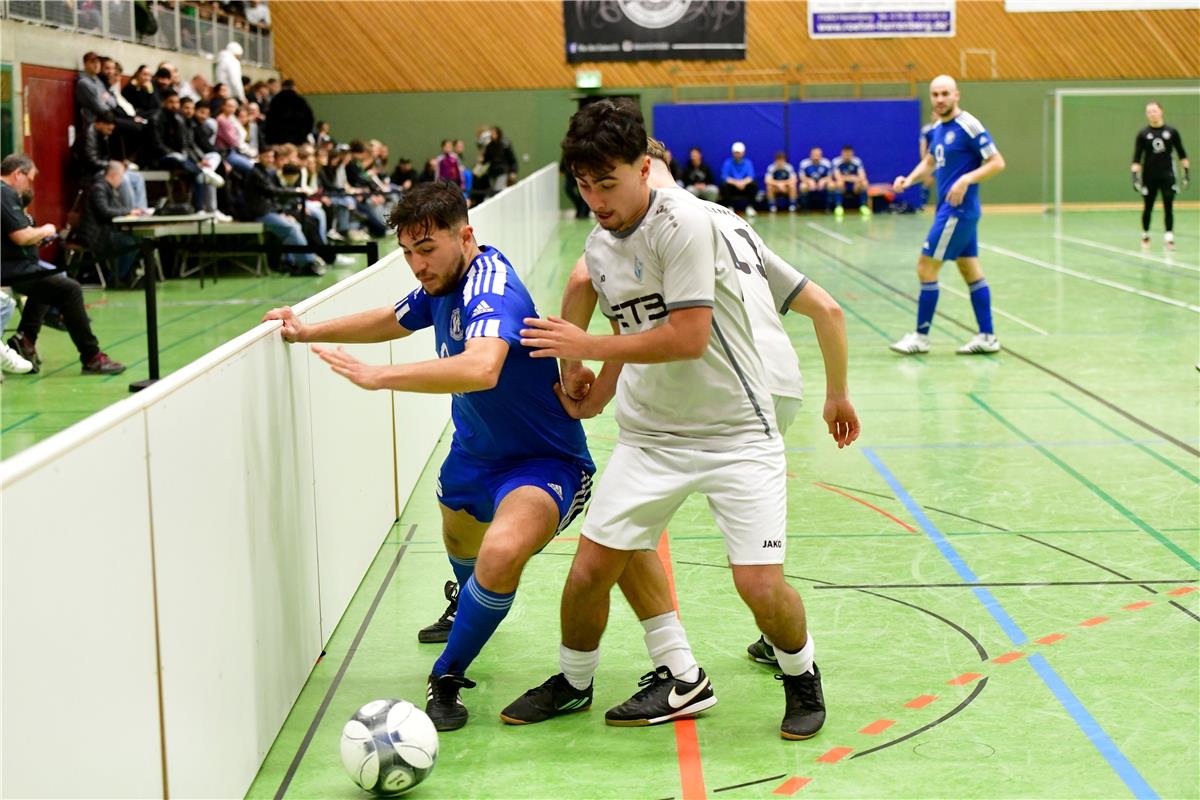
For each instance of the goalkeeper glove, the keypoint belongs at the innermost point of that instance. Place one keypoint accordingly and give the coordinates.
(1137, 182)
(1187, 177)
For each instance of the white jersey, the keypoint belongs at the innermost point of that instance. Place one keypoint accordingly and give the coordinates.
(674, 258)
(769, 284)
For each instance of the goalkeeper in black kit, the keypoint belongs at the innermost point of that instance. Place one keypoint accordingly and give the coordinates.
(1153, 171)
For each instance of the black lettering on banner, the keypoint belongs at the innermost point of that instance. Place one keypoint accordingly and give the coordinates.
(651, 306)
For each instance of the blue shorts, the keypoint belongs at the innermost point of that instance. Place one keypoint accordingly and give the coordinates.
(951, 236)
(469, 484)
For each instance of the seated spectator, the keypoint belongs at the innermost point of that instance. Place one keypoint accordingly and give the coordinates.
(253, 122)
(10, 360)
(360, 182)
(91, 94)
(181, 87)
(269, 202)
(816, 180)
(850, 182)
(698, 177)
(259, 94)
(202, 149)
(429, 174)
(738, 187)
(231, 138)
(130, 122)
(781, 182)
(331, 176)
(163, 83)
(229, 70)
(93, 149)
(217, 97)
(171, 147)
(404, 176)
(202, 88)
(96, 231)
(289, 165)
(291, 119)
(140, 93)
(323, 135)
(41, 283)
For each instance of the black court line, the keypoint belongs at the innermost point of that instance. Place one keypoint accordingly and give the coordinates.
(337, 679)
(982, 584)
(966, 702)
(1187, 448)
(750, 783)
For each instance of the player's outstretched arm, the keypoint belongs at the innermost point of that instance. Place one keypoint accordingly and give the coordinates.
(578, 304)
(365, 327)
(829, 323)
(475, 369)
(684, 336)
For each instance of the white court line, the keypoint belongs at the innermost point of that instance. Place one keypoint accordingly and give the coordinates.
(831, 234)
(1119, 251)
(1091, 278)
(997, 310)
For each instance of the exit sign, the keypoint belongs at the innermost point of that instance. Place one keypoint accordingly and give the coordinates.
(587, 79)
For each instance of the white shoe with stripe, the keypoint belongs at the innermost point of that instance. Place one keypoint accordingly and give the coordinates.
(980, 343)
(911, 344)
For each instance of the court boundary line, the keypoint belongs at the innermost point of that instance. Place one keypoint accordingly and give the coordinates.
(1086, 723)
(341, 673)
(831, 234)
(1120, 252)
(1107, 403)
(997, 310)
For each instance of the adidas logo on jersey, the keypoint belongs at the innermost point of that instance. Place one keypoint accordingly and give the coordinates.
(557, 489)
(482, 308)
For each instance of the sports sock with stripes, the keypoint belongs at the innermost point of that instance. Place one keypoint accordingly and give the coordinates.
(926, 306)
(463, 569)
(479, 614)
(981, 301)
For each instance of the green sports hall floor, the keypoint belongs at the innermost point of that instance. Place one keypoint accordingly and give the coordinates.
(1000, 575)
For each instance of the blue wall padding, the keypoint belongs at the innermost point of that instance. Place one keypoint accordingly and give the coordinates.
(884, 133)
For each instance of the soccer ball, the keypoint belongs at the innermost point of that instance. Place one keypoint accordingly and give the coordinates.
(389, 746)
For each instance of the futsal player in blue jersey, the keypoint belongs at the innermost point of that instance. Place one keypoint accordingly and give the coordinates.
(850, 178)
(961, 155)
(816, 180)
(518, 470)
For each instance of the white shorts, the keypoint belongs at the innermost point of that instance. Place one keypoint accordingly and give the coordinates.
(786, 409)
(641, 489)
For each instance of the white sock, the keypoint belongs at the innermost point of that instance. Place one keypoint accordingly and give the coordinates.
(578, 666)
(667, 644)
(794, 663)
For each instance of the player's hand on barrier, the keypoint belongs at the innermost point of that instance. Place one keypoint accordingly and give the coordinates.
(349, 367)
(554, 337)
(293, 328)
(900, 184)
(577, 380)
(957, 192)
(842, 420)
(586, 408)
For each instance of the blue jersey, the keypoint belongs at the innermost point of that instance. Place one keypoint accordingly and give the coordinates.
(927, 136)
(816, 169)
(958, 147)
(848, 166)
(521, 417)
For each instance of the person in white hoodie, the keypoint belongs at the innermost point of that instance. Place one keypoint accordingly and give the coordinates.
(229, 70)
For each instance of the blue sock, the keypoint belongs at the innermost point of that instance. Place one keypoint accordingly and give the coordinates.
(479, 614)
(981, 301)
(463, 568)
(926, 306)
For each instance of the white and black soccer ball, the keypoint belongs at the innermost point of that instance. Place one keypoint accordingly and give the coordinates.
(389, 746)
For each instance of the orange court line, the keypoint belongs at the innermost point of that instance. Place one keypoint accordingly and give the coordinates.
(835, 755)
(896, 520)
(878, 726)
(1007, 657)
(791, 786)
(965, 678)
(1138, 606)
(1094, 621)
(921, 702)
(1181, 590)
(687, 743)
(1051, 639)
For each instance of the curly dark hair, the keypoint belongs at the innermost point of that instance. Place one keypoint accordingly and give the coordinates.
(603, 134)
(428, 207)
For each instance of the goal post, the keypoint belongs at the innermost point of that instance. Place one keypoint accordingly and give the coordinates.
(1108, 130)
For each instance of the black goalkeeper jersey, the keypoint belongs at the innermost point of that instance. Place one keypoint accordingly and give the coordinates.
(1153, 151)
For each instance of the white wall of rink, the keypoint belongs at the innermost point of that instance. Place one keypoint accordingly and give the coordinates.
(173, 565)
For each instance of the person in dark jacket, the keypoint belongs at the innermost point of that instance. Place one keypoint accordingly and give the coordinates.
(291, 119)
(94, 148)
(265, 201)
(501, 161)
(140, 92)
(96, 231)
(171, 147)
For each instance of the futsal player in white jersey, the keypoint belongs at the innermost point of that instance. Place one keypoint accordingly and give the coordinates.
(694, 416)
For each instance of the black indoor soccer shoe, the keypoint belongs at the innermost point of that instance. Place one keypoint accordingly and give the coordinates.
(762, 652)
(443, 704)
(663, 697)
(553, 698)
(804, 705)
(440, 630)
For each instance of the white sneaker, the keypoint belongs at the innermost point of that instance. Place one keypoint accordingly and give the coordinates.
(1145, 241)
(212, 178)
(911, 344)
(222, 217)
(14, 362)
(750, 212)
(980, 343)
(335, 236)
(345, 260)
(1169, 240)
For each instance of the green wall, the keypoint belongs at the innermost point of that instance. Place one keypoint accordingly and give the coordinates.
(1098, 141)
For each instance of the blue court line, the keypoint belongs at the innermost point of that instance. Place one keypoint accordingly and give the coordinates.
(1001, 445)
(1086, 722)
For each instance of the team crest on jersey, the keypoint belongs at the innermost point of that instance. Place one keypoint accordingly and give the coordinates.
(949, 137)
(456, 330)
(1166, 134)
(637, 268)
